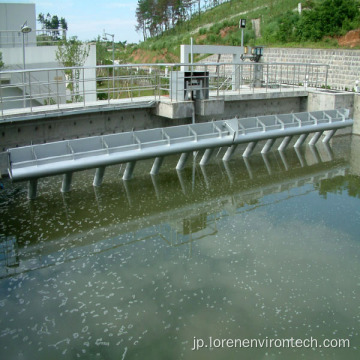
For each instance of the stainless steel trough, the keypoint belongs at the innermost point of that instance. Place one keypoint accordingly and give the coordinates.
(65, 157)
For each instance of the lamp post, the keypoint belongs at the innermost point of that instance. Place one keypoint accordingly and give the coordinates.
(242, 25)
(25, 29)
(113, 56)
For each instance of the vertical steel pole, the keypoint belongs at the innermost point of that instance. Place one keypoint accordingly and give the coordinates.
(83, 74)
(23, 74)
(57, 89)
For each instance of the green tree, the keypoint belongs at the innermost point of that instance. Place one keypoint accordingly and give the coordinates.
(72, 54)
(1, 62)
(318, 19)
(101, 52)
(53, 23)
(156, 16)
(327, 18)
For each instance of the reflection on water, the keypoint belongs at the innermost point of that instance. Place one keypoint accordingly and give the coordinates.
(256, 248)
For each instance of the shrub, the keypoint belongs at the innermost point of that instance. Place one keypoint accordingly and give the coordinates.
(202, 31)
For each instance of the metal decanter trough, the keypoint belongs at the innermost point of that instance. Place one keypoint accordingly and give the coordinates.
(65, 157)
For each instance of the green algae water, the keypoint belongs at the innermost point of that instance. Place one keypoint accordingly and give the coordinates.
(185, 265)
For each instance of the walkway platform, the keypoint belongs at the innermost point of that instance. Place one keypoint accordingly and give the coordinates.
(164, 105)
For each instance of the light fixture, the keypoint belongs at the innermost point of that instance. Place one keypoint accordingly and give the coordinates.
(25, 29)
(242, 23)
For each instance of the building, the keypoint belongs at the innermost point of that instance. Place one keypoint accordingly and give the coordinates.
(25, 51)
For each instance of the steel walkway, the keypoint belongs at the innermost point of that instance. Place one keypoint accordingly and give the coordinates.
(65, 157)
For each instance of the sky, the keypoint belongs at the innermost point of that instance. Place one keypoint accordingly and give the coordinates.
(87, 19)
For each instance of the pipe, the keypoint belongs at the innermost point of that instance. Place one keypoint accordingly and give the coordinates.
(229, 152)
(99, 175)
(157, 165)
(267, 147)
(32, 189)
(328, 136)
(249, 149)
(129, 170)
(300, 140)
(315, 138)
(66, 183)
(182, 161)
(206, 157)
(285, 143)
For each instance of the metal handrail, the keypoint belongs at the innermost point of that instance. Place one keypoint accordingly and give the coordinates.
(60, 87)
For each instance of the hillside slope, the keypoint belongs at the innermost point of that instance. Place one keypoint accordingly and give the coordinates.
(269, 22)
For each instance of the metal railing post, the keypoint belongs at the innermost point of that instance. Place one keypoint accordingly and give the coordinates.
(107, 80)
(30, 96)
(48, 77)
(113, 78)
(131, 85)
(326, 75)
(217, 80)
(57, 89)
(83, 73)
(1, 98)
(294, 78)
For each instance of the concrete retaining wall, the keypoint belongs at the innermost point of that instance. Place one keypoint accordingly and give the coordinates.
(344, 65)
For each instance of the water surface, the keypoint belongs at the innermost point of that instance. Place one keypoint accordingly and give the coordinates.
(267, 248)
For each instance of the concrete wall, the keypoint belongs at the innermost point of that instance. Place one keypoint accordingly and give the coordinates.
(344, 65)
(259, 107)
(22, 133)
(331, 99)
(354, 156)
(356, 127)
(328, 100)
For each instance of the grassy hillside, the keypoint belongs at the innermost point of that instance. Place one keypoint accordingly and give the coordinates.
(280, 25)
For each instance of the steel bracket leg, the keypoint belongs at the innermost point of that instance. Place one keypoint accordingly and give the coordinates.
(129, 170)
(66, 183)
(250, 148)
(156, 166)
(99, 175)
(206, 157)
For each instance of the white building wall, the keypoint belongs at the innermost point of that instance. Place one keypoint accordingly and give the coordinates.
(12, 17)
(49, 84)
(52, 82)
